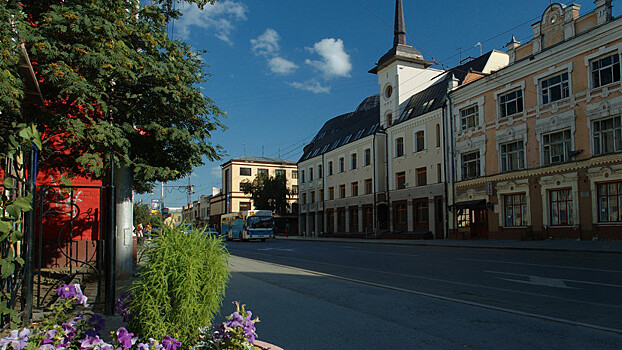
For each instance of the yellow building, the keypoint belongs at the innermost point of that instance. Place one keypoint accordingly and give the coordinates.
(538, 143)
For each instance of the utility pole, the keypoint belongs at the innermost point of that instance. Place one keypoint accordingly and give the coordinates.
(189, 189)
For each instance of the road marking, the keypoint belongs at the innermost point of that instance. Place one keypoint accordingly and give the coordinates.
(370, 252)
(442, 280)
(540, 265)
(278, 249)
(550, 282)
(440, 297)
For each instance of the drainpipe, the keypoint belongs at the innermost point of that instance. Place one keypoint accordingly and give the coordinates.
(452, 155)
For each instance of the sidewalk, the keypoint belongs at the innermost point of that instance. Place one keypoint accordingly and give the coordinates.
(613, 247)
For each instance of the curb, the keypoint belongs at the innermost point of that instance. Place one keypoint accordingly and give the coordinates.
(450, 245)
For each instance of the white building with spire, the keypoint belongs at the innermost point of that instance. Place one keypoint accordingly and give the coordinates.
(379, 170)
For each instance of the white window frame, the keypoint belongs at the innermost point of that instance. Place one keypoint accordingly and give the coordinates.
(617, 134)
(520, 153)
(474, 115)
(602, 52)
(425, 141)
(500, 104)
(566, 150)
(550, 73)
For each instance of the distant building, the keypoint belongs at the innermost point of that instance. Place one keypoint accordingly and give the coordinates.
(236, 171)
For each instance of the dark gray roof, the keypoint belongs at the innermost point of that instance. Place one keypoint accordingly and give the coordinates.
(345, 128)
(434, 96)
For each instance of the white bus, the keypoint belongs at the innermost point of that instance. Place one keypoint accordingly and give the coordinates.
(246, 225)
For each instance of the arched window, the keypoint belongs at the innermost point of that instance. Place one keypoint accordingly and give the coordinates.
(438, 135)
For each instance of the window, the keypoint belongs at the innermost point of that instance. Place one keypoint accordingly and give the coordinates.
(367, 157)
(353, 161)
(319, 171)
(368, 186)
(610, 202)
(469, 117)
(321, 195)
(511, 103)
(341, 165)
(421, 211)
(342, 191)
(294, 189)
(279, 172)
(331, 193)
(400, 213)
(244, 184)
(464, 218)
(560, 206)
(330, 168)
(389, 119)
(304, 198)
(388, 91)
(310, 174)
(470, 165)
(262, 171)
(355, 189)
(554, 88)
(512, 156)
(515, 209)
(607, 136)
(294, 174)
(400, 180)
(245, 206)
(245, 171)
(302, 179)
(438, 135)
(556, 147)
(422, 176)
(605, 70)
(439, 173)
(419, 141)
(399, 147)
(312, 196)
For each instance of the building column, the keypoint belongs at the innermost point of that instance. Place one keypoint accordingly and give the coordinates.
(410, 215)
(336, 220)
(432, 216)
(347, 219)
(391, 228)
(360, 209)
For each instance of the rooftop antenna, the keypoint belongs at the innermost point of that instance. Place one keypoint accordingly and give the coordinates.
(262, 150)
(279, 152)
(480, 46)
(460, 50)
(244, 146)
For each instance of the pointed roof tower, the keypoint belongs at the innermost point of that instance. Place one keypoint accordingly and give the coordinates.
(400, 50)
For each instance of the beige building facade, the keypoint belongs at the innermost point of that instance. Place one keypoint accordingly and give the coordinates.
(245, 169)
(538, 144)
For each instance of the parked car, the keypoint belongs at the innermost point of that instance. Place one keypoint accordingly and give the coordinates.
(212, 231)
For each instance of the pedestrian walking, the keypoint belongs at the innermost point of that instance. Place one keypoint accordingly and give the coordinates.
(148, 229)
(139, 230)
(169, 220)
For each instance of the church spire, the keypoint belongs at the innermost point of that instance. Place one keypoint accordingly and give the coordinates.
(399, 29)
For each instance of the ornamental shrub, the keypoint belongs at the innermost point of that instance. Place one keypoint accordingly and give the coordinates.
(180, 285)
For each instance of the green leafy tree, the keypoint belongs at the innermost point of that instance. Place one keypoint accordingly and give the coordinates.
(269, 193)
(116, 84)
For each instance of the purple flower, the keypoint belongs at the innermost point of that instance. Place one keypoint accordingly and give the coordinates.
(235, 320)
(170, 343)
(66, 291)
(90, 342)
(125, 338)
(70, 332)
(122, 306)
(80, 297)
(17, 339)
(143, 346)
(97, 322)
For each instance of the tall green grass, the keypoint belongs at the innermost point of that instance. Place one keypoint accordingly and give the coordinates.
(180, 285)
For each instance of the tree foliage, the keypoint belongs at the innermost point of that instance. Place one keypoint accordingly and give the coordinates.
(114, 83)
(269, 193)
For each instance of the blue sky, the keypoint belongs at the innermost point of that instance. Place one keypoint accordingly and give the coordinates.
(281, 68)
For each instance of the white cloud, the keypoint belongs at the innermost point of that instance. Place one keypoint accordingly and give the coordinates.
(280, 65)
(216, 172)
(311, 85)
(267, 45)
(218, 19)
(335, 61)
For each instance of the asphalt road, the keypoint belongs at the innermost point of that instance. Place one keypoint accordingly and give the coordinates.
(369, 296)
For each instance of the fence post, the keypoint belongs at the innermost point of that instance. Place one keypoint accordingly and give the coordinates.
(29, 241)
